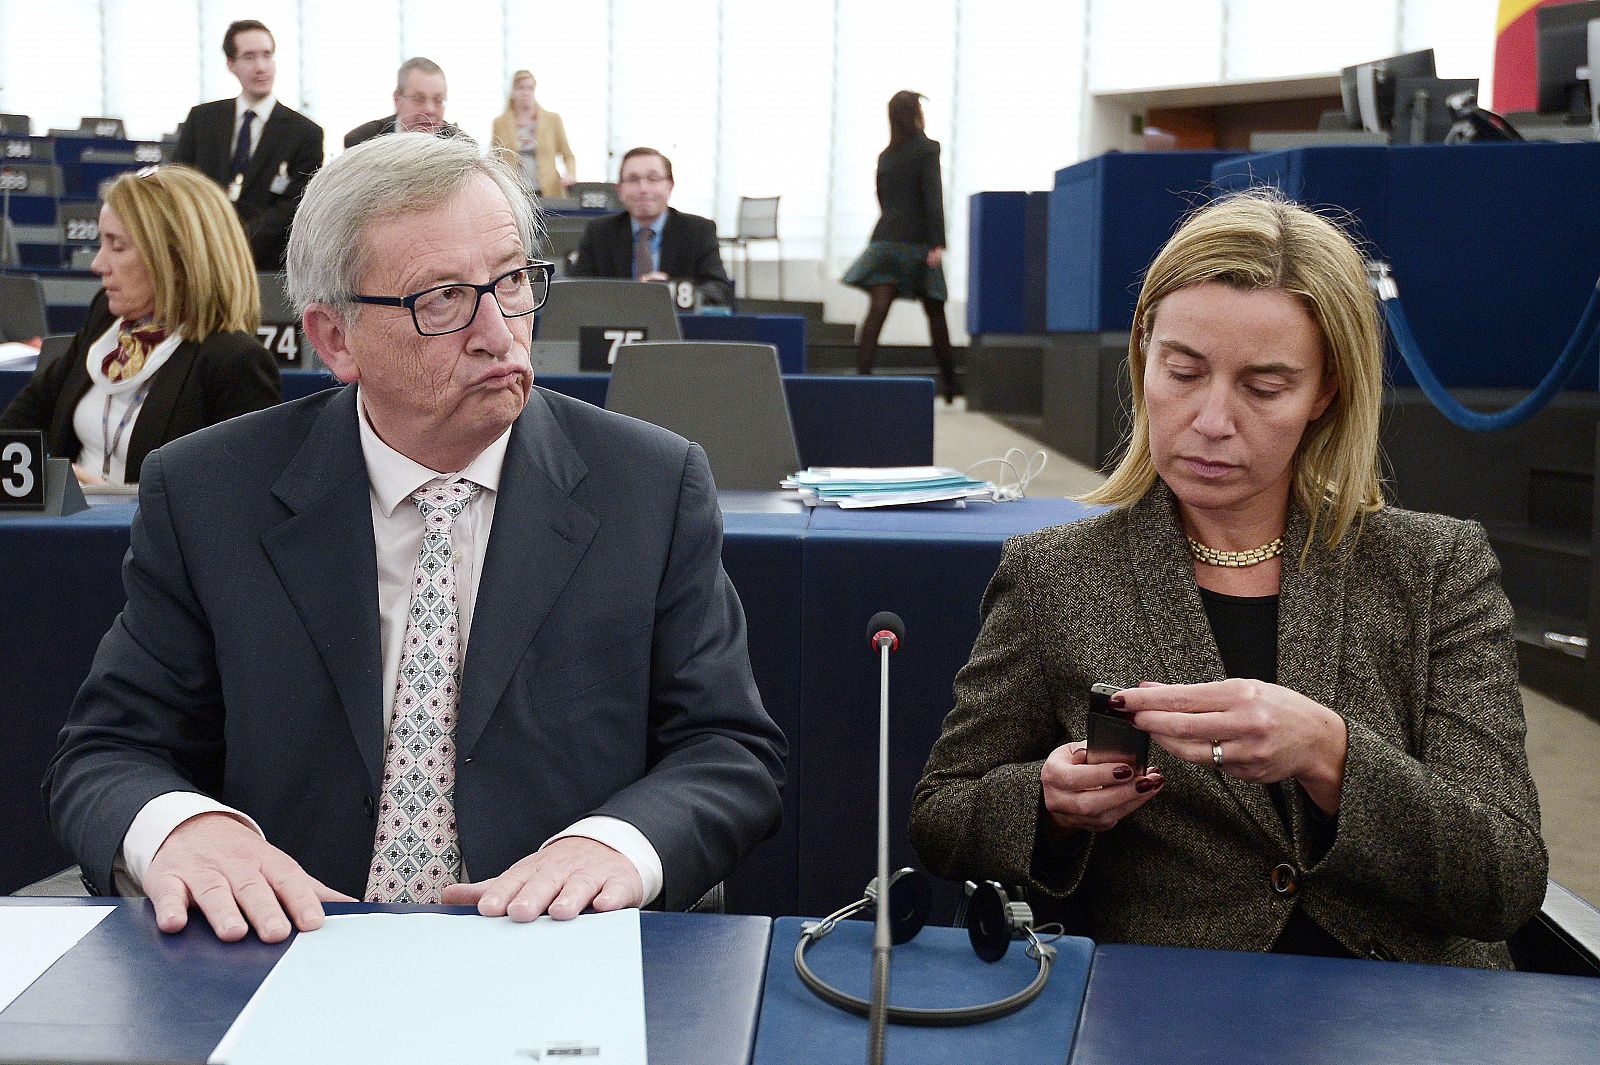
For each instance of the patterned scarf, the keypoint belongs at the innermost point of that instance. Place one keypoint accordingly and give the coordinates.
(135, 341)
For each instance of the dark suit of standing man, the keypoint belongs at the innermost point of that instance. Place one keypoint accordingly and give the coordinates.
(678, 246)
(264, 168)
(233, 747)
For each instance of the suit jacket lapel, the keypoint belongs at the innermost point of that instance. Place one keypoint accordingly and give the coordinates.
(326, 558)
(161, 402)
(1164, 574)
(1311, 613)
(540, 535)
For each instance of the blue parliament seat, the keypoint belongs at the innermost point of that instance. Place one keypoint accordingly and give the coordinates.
(786, 332)
(1005, 289)
(1496, 247)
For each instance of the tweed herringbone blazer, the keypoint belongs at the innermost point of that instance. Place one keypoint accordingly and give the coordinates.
(1406, 634)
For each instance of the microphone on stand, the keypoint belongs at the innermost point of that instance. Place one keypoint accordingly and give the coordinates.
(887, 633)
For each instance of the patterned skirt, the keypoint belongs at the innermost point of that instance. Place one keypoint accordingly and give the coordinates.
(905, 266)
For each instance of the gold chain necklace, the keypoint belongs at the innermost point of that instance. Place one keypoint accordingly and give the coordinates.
(1235, 559)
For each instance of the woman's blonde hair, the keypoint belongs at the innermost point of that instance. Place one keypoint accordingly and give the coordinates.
(511, 94)
(193, 247)
(1257, 239)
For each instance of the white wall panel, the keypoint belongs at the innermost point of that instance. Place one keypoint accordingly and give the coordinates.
(152, 63)
(664, 91)
(50, 61)
(1018, 105)
(1136, 44)
(568, 50)
(351, 52)
(777, 130)
(1268, 38)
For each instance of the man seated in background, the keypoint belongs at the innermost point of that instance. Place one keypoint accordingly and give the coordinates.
(261, 151)
(419, 99)
(649, 241)
(437, 636)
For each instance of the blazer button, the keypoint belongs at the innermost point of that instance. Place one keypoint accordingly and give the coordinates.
(1285, 879)
(366, 804)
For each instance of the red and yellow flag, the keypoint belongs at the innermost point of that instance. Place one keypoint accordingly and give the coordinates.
(1516, 68)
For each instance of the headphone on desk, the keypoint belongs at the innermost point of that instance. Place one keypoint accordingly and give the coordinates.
(993, 921)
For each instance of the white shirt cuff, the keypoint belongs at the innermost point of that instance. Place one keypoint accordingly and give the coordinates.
(155, 823)
(626, 841)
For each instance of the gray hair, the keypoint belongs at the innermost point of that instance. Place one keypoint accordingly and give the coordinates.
(390, 176)
(415, 65)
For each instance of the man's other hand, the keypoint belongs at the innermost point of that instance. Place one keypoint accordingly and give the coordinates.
(236, 878)
(561, 879)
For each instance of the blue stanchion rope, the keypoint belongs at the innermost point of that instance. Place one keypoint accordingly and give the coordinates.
(1584, 340)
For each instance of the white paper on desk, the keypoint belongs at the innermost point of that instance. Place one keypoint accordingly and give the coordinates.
(33, 938)
(428, 988)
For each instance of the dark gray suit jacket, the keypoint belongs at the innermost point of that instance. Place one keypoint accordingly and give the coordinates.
(689, 251)
(1437, 856)
(606, 671)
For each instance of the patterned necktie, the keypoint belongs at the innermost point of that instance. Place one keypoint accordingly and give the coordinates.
(135, 341)
(643, 261)
(241, 147)
(415, 853)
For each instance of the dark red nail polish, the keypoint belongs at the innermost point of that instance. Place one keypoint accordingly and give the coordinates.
(1122, 772)
(1145, 786)
(1117, 701)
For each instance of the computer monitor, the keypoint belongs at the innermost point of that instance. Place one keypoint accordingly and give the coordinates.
(1563, 54)
(1368, 89)
(1421, 114)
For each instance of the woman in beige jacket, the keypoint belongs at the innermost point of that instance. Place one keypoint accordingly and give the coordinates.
(534, 137)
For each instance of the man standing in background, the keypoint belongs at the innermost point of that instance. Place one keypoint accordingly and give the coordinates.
(259, 150)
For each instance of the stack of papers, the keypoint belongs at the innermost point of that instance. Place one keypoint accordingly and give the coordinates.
(852, 487)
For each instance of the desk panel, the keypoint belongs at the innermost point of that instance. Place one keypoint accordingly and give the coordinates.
(936, 969)
(127, 992)
(931, 567)
(1161, 1004)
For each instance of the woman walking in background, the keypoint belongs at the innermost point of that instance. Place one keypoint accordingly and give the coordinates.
(906, 251)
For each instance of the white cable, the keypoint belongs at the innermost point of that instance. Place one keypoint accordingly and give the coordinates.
(1017, 487)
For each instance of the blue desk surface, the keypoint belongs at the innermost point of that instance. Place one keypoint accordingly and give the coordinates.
(127, 992)
(1161, 1004)
(937, 968)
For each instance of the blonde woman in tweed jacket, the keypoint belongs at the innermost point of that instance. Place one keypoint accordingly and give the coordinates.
(1330, 684)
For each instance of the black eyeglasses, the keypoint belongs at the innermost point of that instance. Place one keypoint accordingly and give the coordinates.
(451, 308)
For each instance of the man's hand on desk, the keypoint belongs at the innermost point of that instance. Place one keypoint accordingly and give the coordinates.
(236, 878)
(561, 879)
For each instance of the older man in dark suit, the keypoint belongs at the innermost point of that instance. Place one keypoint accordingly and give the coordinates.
(420, 94)
(649, 241)
(437, 636)
(260, 150)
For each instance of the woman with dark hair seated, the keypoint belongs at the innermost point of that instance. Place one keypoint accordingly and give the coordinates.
(169, 346)
(1329, 684)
